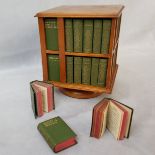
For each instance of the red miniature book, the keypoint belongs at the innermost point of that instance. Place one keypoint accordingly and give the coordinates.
(114, 116)
(38, 100)
(44, 103)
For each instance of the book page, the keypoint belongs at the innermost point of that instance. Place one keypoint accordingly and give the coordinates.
(44, 96)
(114, 119)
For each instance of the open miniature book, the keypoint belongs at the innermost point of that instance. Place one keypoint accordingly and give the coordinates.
(114, 116)
(42, 97)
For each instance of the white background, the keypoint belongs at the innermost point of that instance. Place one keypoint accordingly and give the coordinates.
(20, 63)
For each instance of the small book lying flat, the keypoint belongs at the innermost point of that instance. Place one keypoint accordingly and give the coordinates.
(114, 116)
(42, 97)
(57, 134)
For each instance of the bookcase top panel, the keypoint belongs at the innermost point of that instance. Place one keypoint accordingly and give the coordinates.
(100, 11)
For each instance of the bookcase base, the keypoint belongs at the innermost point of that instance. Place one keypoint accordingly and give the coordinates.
(79, 93)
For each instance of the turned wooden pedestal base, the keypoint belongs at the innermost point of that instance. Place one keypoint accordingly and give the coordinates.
(79, 93)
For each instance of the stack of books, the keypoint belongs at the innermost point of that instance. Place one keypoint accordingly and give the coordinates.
(42, 97)
(114, 116)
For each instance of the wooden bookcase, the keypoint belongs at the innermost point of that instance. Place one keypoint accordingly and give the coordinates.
(114, 12)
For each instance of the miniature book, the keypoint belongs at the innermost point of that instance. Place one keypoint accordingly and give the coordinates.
(114, 116)
(42, 97)
(57, 134)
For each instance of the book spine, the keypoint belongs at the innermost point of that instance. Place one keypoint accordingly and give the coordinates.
(106, 29)
(33, 101)
(78, 39)
(92, 124)
(94, 71)
(106, 36)
(98, 125)
(53, 68)
(51, 34)
(69, 48)
(102, 72)
(96, 49)
(87, 48)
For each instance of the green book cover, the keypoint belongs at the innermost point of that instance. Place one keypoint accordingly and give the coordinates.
(95, 71)
(51, 34)
(87, 48)
(106, 35)
(53, 68)
(69, 48)
(78, 39)
(69, 66)
(102, 72)
(106, 30)
(55, 131)
(96, 49)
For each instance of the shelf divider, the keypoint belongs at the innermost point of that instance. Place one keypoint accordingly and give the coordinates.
(43, 47)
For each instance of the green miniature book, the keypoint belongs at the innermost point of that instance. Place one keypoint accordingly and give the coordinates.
(69, 48)
(78, 41)
(106, 29)
(57, 134)
(51, 34)
(53, 68)
(96, 49)
(87, 48)
(106, 35)
(102, 72)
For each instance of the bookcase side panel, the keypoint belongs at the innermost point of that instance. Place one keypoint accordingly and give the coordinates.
(117, 41)
(111, 47)
(43, 47)
(116, 34)
(61, 42)
(118, 29)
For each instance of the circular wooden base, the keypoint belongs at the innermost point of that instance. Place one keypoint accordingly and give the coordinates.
(79, 93)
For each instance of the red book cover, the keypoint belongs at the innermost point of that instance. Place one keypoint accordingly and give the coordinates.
(100, 118)
(65, 144)
(124, 121)
(50, 94)
(94, 119)
(39, 103)
(98, 124)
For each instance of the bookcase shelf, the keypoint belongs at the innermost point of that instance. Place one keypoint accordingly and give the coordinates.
(81, 54)
(59, 56)
(83, 87)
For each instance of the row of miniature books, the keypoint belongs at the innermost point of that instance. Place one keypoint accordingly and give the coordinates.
(84, 36)
(89, 71)
(42, 97)
(81, 35)
(108, 113)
